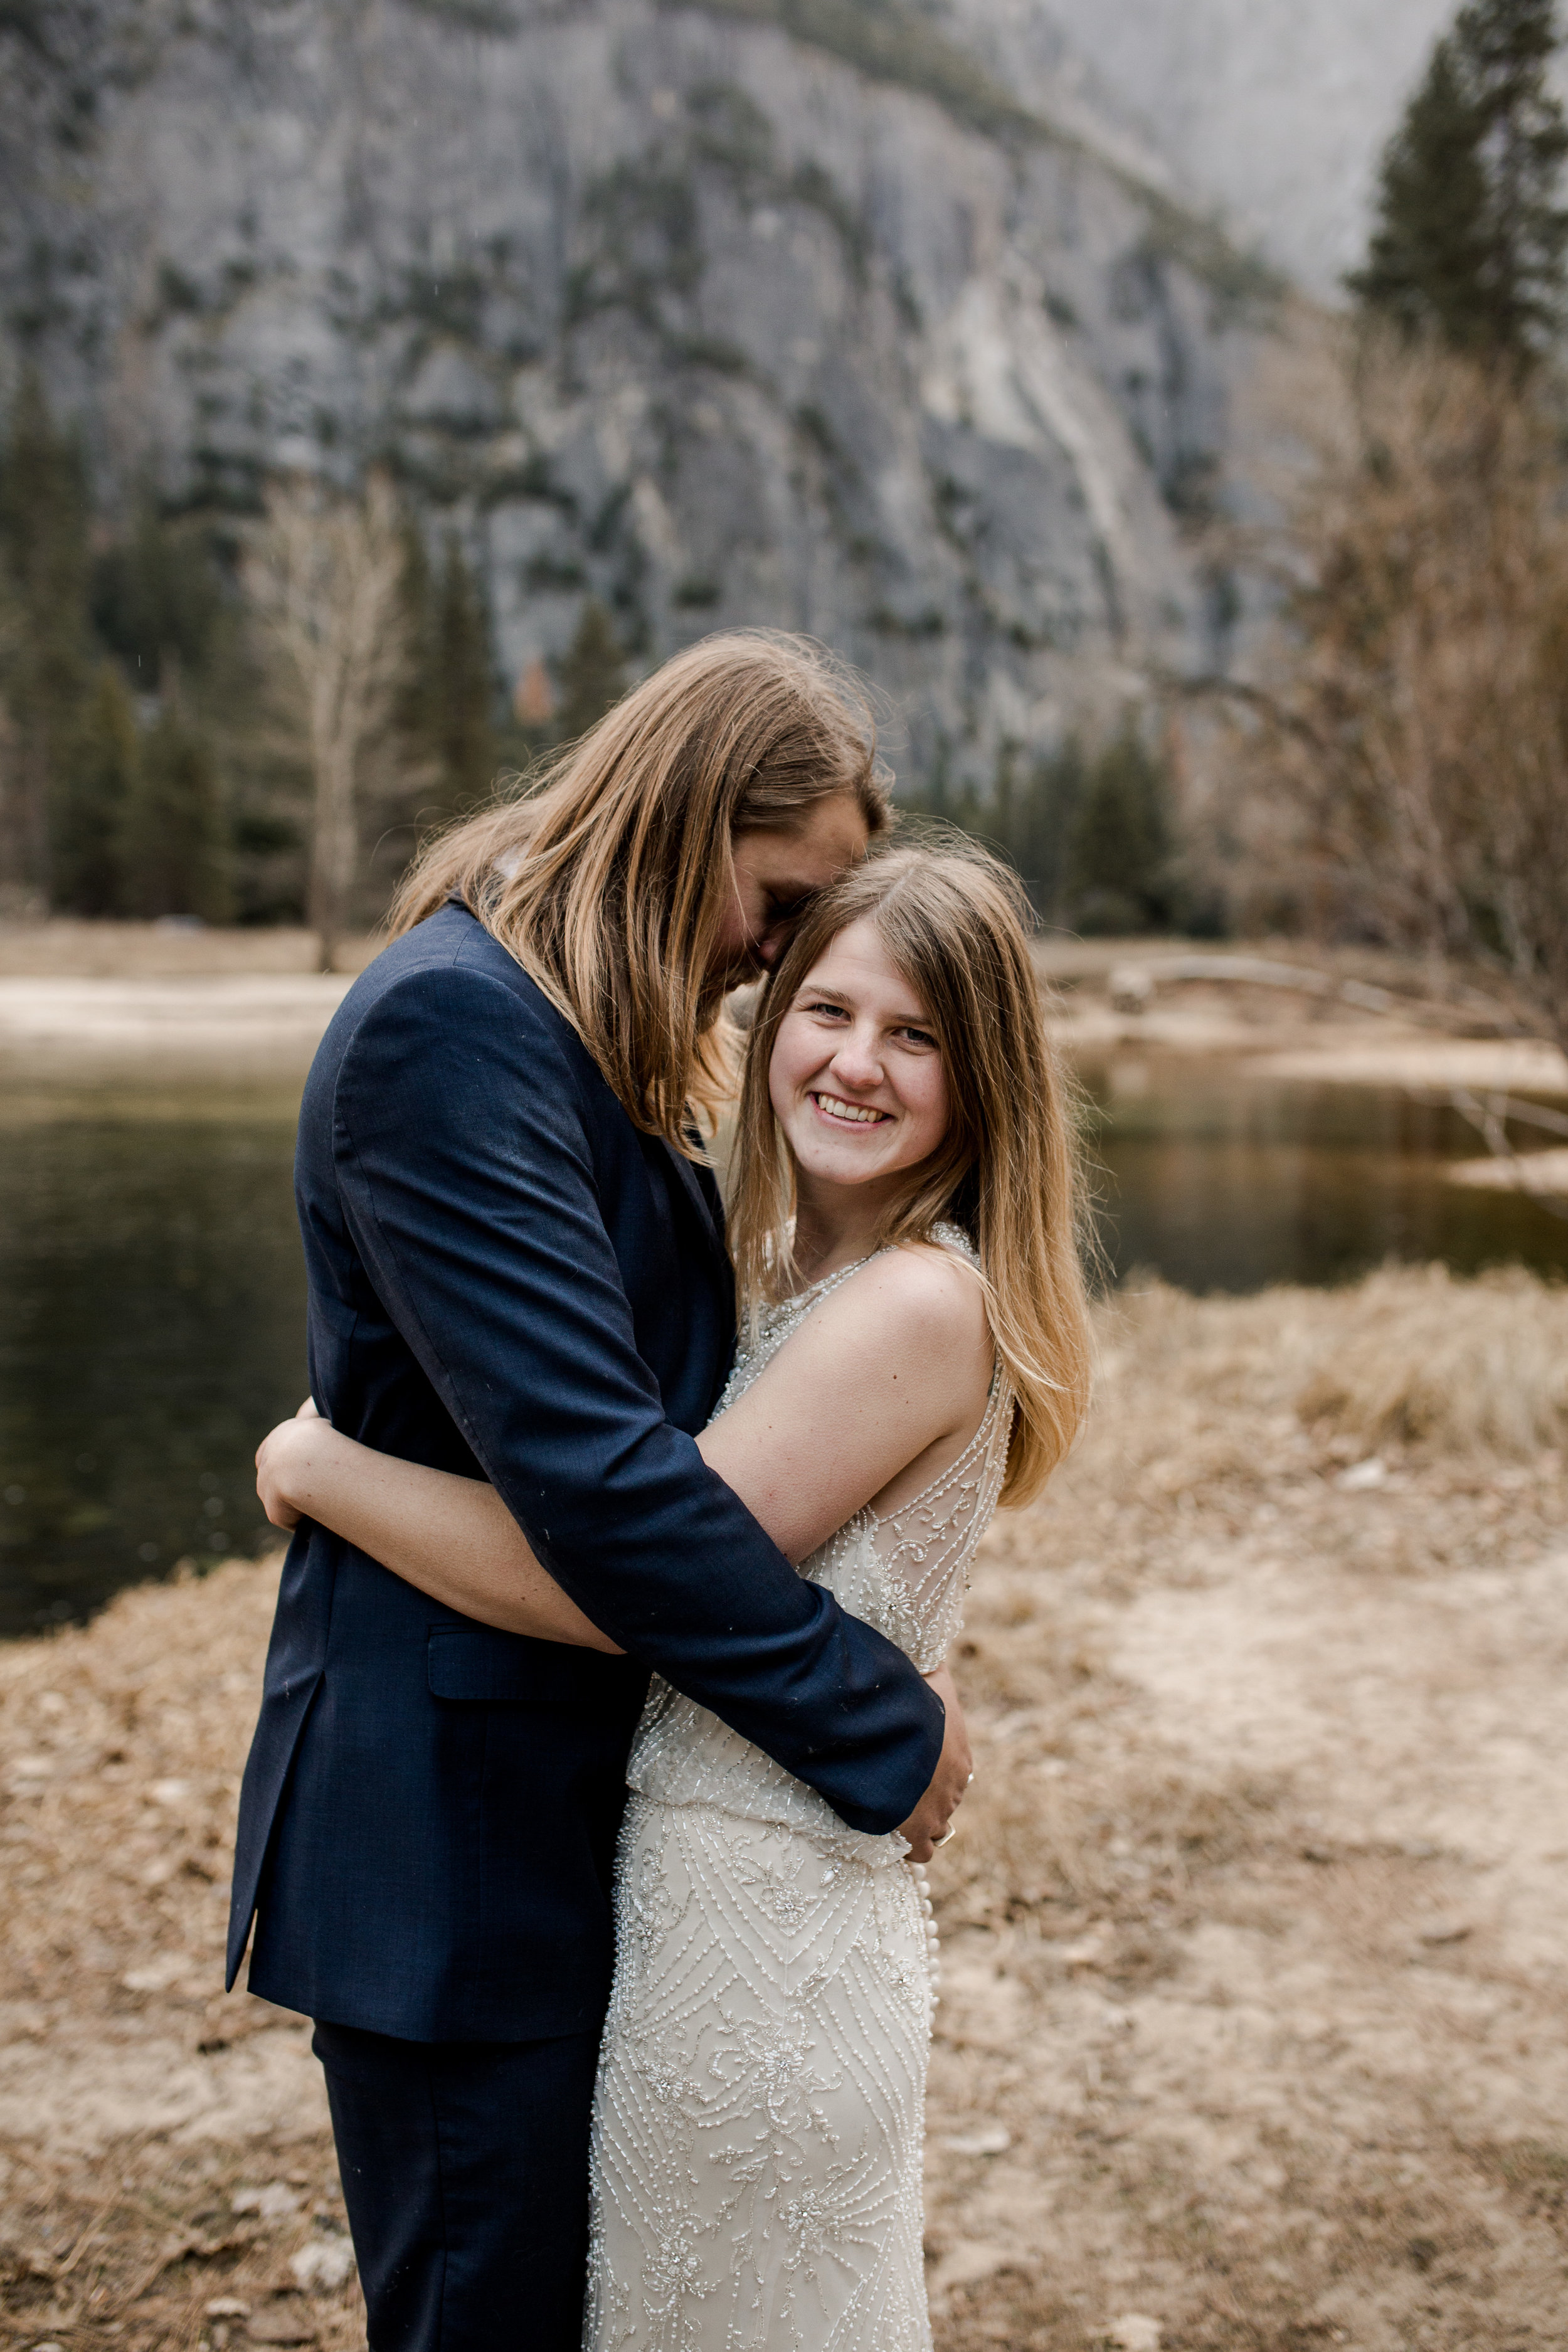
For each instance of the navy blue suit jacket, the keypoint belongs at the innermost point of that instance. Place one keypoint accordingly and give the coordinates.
(507, 1280)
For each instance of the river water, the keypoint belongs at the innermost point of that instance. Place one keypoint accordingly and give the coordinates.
(152, 1296)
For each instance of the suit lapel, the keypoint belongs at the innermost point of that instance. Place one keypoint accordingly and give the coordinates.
(697, 1195)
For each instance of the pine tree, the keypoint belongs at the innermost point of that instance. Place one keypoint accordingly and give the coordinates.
(1119, 849)
(447, 715)
(93, 802)
(593, 673)
(156, 592)
(47, 671)
(463, 735)
(173, 840)
(1046, 812)
(1470, 240)
(1428, 255)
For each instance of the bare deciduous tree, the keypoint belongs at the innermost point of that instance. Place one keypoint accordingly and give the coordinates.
(1408, 736)
(324, 575)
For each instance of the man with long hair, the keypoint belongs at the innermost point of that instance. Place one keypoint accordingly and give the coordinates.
(518, 1272)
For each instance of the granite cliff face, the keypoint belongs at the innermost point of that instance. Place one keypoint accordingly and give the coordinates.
(809, 312)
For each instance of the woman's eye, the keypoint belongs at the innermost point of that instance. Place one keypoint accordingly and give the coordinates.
(918, 1036)
(832, 1011)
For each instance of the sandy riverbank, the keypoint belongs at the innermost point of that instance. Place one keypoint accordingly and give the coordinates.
(65, 949)
(1253, 1935)
(242, 1027)
(100, 1002)
(92, 1001)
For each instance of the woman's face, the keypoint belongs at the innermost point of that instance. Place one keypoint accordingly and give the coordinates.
(856, 1079)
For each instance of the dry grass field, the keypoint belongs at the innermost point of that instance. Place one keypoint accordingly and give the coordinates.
(1252, 2037)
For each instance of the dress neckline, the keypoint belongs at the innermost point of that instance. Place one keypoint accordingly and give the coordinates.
(824, 1281)
(944, 1233)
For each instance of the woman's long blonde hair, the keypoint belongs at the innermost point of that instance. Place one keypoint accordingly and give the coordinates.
(609, 877)
(953, 920)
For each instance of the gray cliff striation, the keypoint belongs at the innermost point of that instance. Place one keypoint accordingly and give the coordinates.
(784, 311)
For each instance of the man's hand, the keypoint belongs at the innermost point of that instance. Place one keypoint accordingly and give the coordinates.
(927, 1824)
(277, 1456)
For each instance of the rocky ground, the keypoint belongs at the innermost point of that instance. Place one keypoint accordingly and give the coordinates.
(1251, 2039)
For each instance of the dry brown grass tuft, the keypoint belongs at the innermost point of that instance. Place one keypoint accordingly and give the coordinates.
(1424, 1359)
(1410, 1356)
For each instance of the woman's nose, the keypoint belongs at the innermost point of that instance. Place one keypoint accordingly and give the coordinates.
(858, 1062)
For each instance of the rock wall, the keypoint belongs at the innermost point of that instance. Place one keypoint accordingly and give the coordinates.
(743, 312)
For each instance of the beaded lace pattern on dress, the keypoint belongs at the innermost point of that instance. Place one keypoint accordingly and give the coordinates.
(758, 2119)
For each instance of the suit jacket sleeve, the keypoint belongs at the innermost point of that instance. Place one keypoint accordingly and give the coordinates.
(466, 1179)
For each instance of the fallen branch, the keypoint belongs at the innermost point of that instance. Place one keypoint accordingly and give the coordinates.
(1491, 1116)
(1307, 980)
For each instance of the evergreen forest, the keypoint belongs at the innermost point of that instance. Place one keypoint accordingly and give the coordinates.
(156, 757)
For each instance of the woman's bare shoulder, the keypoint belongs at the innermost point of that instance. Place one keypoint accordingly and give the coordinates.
(916, 1298)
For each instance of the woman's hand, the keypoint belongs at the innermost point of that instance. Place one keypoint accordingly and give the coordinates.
(280, 1458)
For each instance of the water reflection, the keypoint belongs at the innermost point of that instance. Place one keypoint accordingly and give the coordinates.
(152, 1302)
(151, 1295)
(1220, 1180)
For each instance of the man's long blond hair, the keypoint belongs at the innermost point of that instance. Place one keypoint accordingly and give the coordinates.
(609, 876)
(953, 920)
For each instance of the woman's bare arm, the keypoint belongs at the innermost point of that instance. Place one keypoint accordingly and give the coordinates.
(454, 1538)
(884, 1374)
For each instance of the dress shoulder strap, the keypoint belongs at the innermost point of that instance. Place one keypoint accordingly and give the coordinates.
(777, 1322)
(785, 1315)
(818, 1291)
(948, 1236)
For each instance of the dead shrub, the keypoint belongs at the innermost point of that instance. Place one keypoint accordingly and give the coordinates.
(1425, 1359)
(1400, 762)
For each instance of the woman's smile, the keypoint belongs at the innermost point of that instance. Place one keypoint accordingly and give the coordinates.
(856, 1077)
(848, 1114)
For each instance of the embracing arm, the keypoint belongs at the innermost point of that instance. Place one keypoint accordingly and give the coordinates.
(826, 1428)
(465, 1119)
(453, 1537)
(884, 1371)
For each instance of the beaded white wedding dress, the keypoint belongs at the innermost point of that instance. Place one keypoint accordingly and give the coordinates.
(758, 2119)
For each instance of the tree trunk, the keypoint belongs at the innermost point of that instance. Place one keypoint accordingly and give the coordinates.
(332, 866)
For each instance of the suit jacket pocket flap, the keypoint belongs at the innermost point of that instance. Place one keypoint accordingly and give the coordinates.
(485, 1668)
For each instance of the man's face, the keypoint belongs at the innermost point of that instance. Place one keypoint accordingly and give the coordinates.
(776, 875)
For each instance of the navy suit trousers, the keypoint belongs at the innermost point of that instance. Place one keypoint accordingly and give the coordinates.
(465, 2166)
